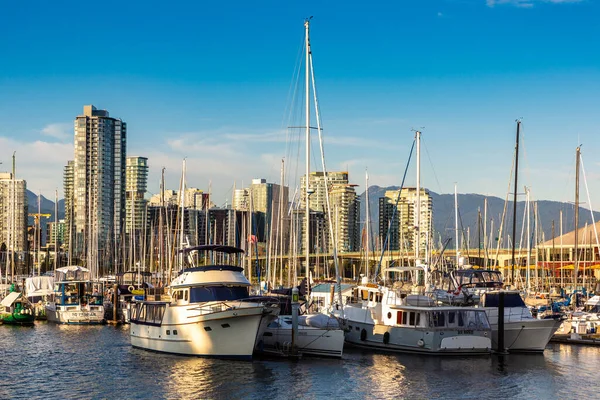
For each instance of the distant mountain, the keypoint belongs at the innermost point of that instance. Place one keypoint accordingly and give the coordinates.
(469, 206)
(46, 207)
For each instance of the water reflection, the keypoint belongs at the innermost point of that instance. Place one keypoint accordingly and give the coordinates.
(73, 362)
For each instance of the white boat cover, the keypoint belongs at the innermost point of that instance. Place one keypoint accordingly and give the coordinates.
(320, 321)
(39, 286)
(10, 299)
(72, 268)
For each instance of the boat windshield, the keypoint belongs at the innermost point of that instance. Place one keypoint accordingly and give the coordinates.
(217, 293)
(510, 300)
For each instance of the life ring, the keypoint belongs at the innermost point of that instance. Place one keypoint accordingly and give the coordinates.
(420, 343)
(131, 288)
(386, 338)
(363, 335)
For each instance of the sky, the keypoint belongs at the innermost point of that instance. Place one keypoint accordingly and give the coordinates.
(213, 82)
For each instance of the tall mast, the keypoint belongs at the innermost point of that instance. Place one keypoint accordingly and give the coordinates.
(456, 246)
(576, 263)
(368, 223)
(485, 239)
(514, 228)
(182, 238)
(307, 191)
(418, 205)
(55, 230)
(280, 222)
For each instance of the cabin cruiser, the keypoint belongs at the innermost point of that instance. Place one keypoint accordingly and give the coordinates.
(77, 300)
(210, 313)
(389, 319)
(481, 287)
(522, 332)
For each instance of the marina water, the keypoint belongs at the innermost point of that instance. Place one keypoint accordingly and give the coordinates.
(74, 362)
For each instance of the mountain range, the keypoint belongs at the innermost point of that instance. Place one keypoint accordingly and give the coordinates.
(469, 206)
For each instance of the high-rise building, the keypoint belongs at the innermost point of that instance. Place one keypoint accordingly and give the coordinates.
(345, 208)
(403, 230)
(98, 181)
(68, 185)
(193, 198)
(13, 213)
(55, 233)
(269, 199)
(345, 217)
(317, 189)
(241, 200)
(136, 181)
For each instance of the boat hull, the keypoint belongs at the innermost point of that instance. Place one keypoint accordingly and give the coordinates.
(17, 319)
(227, 334)
(528, 335)
(310, 341)
(75, 315)
(415, 340)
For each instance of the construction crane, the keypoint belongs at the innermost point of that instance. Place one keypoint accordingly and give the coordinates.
(37, 216)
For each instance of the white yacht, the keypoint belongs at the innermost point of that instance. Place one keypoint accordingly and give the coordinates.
(386, 319)
(210, 313)
(77, 300)
(522, 332)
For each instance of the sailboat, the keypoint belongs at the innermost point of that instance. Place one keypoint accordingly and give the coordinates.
(385, 317)
(317, 334)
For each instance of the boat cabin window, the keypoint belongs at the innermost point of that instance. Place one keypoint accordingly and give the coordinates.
(364, 295)
(438, 319)
(217, 293)
(148, 313)
(459, 319)
(408, 318)
(181, 294)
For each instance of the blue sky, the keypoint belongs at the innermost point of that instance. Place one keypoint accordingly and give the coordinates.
(210, 80)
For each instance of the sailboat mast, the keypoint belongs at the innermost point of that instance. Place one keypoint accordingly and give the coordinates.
(576, 263)
(514, 228)
(55, 230)
(306, 191)
(368, 223)
(456, 225)
(418, 205)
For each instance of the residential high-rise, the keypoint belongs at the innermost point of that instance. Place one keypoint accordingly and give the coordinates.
(345, 208)
(55, 233)
(68, 185)
(98, 181)
(403, 230)
(345, 217)
(317, 200)
(136, 182)
(272, 200)
(13, 213)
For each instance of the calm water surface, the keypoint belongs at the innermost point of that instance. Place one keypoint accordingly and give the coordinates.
(79, 362)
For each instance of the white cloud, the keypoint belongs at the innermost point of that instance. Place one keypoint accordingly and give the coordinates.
(527, 3)
(61, 131)
(40, 163)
